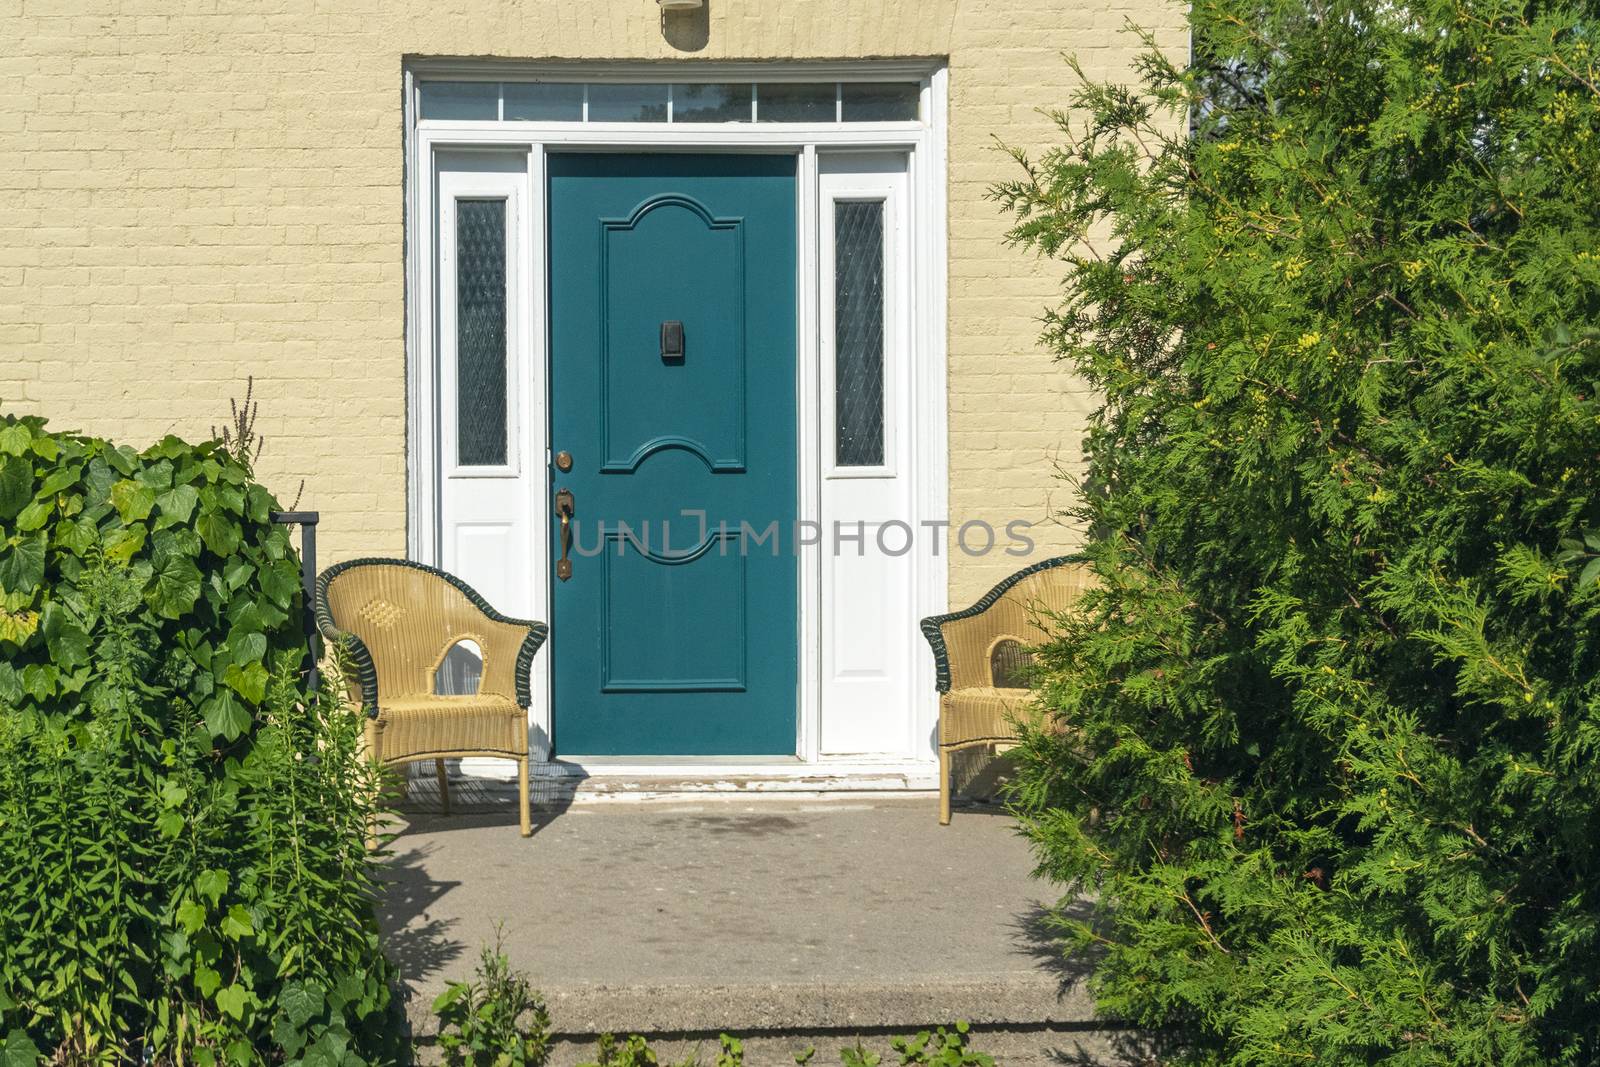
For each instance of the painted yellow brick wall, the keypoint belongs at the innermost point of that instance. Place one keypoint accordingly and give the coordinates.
(195, 192)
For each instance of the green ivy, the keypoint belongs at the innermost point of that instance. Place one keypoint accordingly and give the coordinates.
(182, 825)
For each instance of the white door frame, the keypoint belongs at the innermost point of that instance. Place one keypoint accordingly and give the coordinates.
(925, 145)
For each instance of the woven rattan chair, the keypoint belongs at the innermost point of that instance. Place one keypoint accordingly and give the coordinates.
(981, 655)
(399, 620)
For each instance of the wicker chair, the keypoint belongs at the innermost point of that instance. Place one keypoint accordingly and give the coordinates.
(399, 620)
(981, 655)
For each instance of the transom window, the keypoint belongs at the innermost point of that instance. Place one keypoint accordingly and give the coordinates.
(670, 102)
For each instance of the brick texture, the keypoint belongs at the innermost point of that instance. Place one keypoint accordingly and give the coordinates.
(202, 190)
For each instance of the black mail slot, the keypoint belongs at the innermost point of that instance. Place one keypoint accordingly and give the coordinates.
(672, 341)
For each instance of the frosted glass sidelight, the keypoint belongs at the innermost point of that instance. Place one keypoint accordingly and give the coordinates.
(481, 333)
(858, 333)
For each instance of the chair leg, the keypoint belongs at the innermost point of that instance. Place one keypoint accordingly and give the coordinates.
(522, 789)
(374, 730)
(444, 785)
(944, 787)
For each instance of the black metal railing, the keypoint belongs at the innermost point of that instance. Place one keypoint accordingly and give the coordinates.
(307, 521)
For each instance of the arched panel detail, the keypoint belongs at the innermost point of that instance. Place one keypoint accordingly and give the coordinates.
(636, 385)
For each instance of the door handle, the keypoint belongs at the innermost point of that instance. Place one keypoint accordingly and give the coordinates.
(564, 509)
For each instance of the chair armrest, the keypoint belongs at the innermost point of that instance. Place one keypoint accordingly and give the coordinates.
(958, 644)
(364, 685)
(508, 658)
(960, 640)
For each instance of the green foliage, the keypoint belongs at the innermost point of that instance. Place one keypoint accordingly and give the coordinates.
(1331, 727)
(482, 1024)
(946, 1047)
(182, 827)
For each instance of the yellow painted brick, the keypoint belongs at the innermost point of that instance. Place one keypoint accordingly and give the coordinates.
(200, 192)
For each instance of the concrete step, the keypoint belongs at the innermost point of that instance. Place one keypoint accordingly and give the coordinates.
(788, 922)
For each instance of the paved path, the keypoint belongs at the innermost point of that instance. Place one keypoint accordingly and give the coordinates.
(779, 915)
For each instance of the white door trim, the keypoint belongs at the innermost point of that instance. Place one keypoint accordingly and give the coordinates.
(925, 144)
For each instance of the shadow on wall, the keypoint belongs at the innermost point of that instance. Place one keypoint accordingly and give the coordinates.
(687, 31)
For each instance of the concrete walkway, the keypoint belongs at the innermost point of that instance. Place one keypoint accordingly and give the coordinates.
(805, 920)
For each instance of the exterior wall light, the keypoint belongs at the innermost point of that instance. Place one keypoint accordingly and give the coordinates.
(680, 5)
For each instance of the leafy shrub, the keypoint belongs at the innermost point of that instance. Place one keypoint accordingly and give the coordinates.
(182, 828)
(495, 1021)
(946, 1047)
(1332, 726)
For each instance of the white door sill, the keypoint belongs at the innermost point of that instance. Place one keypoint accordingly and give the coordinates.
(669, 775)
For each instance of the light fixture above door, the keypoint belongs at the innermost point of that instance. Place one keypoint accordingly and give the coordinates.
(680, 5)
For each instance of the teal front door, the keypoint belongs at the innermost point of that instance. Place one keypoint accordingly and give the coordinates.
(672, 403)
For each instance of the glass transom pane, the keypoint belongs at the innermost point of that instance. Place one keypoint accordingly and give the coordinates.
(858, 333)
(711, 103)
(462, 101)
(544, 101)
(796, 102)
(880, 101)
(644, 102)
(481, 333)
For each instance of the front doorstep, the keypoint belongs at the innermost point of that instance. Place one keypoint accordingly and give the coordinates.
(616, 777)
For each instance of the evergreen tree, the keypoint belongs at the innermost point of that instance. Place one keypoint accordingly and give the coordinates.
(1325, 747)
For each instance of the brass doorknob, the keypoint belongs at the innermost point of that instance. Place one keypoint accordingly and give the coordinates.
(563, 461)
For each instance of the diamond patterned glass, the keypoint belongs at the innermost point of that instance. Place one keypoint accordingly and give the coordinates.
(858, 333)
(481, 333)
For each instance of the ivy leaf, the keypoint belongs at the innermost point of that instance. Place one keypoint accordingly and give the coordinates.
(212, 883)
(174, 541)
(67, 641)
(176, 505)
(236, 924)
(206, 980)
(19, 1050)
(39, 680)
(232, 1000)
(174, 588)
(191, 915)
(125, 543)
(16, 485)
(22, 565)
(10, 684)
(246, 647)
(224, 716)
(132, 501)
(249, 681)
(169, 824)
(300, 1001)
(17, 627)
(76, 538)
(220, 533)
(57, 480)
(36, 514)
(279, 581)
(15, 439)
(257, 503)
